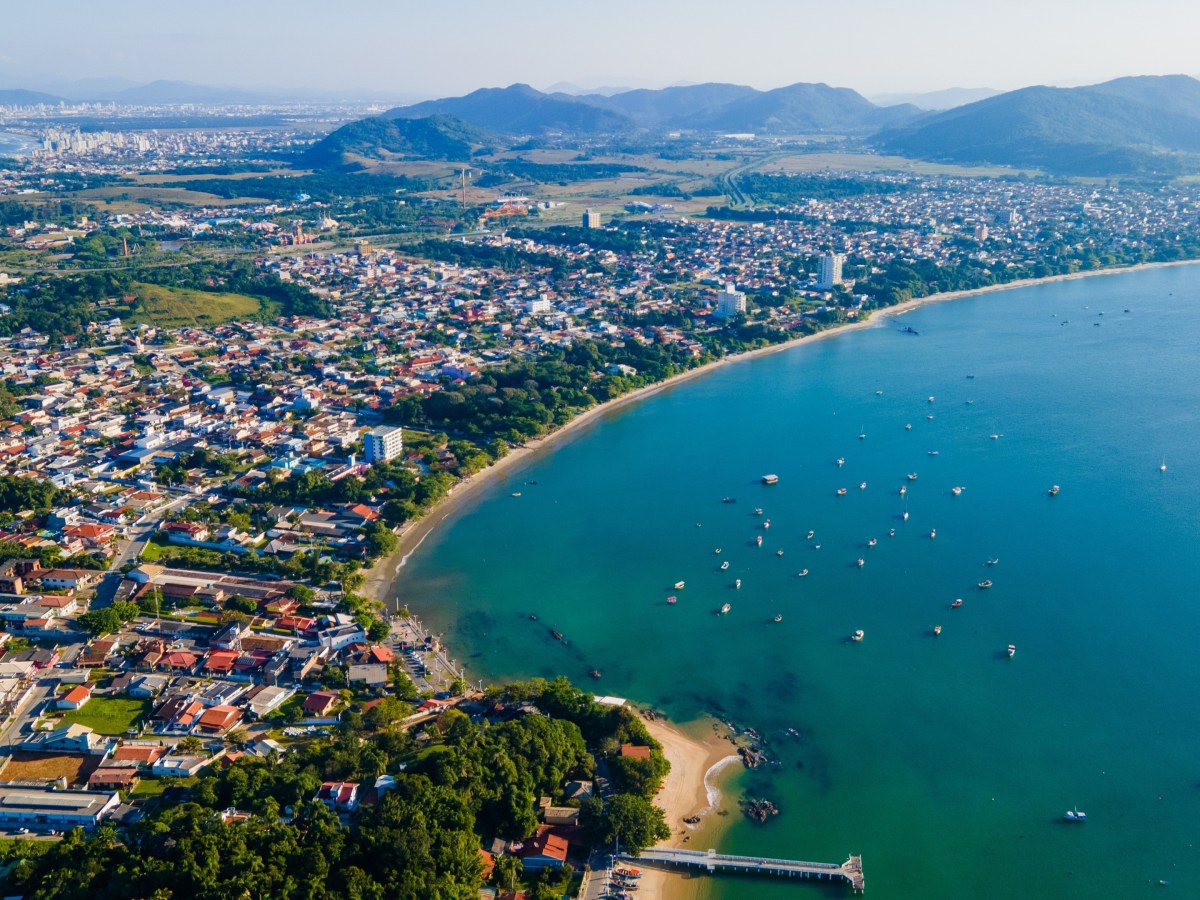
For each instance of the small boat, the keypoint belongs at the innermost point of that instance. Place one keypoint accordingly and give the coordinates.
(770, 479)
(758, 510)
(778, 617)
(937, 629)
(516, 493)
(725, 607)
(728, 500)
(905, 516)
(816, 546)
(858, 635)
(1075, 815)
(985, 584)
(908, 426)
(879, 393)
(995, 437)
(811, 534)
(737, 585)
(724, 565)
(956, 490)
(932, 533)
(841, 492)
(779, 552)
(912, 476)
(1012, 650)
(933, 452)
(841, 461)
(672, 600)
(891, 532)
(862, 434)
(931, 399)
(903, 489)
(594, 673)
(717, 551)
(956, 604)
(557, 635)
(861, 562)
(872, 542)
(862, 486)
(802, 573)
(995, 561)
(758, 540)
(1054, 489)
(679, 585)
(766, 524)
(930, 416)
(1163, 467)
(533, 617)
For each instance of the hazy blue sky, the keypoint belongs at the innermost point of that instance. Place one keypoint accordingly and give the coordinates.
(402, 47)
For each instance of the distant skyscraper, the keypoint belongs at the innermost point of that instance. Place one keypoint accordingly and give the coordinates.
(384, 443)
(730, 303)
(591, 219)
(829, 271)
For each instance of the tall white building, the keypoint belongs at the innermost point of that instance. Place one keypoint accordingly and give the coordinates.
(384, 443)
(829, 271)
(730, 303)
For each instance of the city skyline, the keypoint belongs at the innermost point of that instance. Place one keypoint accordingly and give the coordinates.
(404, 52)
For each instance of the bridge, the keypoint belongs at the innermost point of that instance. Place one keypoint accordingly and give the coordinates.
(711, 861)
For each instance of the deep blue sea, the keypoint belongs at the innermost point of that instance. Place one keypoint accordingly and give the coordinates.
(945, 763)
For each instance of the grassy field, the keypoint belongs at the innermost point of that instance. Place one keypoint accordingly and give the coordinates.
(34, 766)
(108, 715)
(150, 194)
(169, 307)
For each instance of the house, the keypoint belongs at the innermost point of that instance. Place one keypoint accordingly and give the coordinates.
(320, 703)
(114, 778)
(67, 739)
(545, 850)
(340, 796)
(67, 579)
(263, 699)
(138, 755)
(373, 675)
(218, 720)
(75, 698)
(172, 766)
(635, 751)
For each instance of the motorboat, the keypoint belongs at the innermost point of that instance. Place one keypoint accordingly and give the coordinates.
(956, 490)
(717, 551)
(802, 573)
(737, 584)
(841, 460)
(758, 510)
(778, 617)
(758, 540)
(985, 584)
(872, 542)
(908, 426)
(1012, 650)
(1075, 815)
(934, 452)
(724, 565)
(903, 489)
(725, 607)
(861, 562)
(770, 479)
(858, 635)
(779, 552)
(862, 486)
(1054, 489)
(766, 524)
(932, 533)
(672, 600)
(912, 476)
(679, 585)
(957, 603)
(995, 561)
(811, 534)
(937, 629)
(841, 492)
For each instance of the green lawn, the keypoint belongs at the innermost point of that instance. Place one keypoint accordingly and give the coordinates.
(152, 787)
(109, 715)
(171, 307)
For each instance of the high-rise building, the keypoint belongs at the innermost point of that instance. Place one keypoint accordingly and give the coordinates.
(591, 219)
(829, 271)
(383, 443)
(730, 303)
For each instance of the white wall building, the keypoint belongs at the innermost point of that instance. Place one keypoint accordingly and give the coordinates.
(730, 303)
(829, 271)
(384, 443)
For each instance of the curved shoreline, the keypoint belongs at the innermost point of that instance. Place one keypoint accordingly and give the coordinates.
(381, 578)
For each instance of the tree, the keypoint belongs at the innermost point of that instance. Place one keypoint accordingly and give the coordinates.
(506, 871)
(241, 604)
(190, 744)
(628, 818)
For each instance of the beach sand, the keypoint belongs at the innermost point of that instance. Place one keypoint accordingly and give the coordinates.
(701, 758)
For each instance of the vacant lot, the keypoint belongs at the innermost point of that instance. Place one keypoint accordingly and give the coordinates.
(108, 715)
(33, 766)
(171, 307)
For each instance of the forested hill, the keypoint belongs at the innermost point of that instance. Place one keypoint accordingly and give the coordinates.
(431, 137)
(1141, 125)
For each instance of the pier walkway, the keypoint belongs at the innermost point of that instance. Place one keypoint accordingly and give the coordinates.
(850, 871)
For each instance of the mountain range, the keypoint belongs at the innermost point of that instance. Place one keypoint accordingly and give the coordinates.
(1135, 125)
(799, 108)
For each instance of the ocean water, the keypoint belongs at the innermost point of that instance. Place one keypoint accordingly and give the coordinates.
(942, 761)
(12, 144)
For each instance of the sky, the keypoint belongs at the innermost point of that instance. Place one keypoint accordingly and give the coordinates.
(401, 48)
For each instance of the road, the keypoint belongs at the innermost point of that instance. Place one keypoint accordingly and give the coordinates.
(138, 535)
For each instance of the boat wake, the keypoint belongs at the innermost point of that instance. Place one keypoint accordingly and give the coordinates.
(711, 791)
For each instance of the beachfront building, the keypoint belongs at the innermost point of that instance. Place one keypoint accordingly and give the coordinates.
(829, 271)
(730, 302)
(384, 443)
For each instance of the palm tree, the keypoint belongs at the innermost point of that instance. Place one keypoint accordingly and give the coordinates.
(506, 871)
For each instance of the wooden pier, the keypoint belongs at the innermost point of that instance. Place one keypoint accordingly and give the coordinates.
(850, 871)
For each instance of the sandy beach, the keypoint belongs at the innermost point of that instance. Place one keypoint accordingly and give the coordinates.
(381, 577)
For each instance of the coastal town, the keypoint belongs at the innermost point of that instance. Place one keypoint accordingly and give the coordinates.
(207, 470)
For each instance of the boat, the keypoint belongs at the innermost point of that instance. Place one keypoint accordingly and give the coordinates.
(933, 452)
(908, 426)
(766, 524)
(802, 573)
(862, 486)
(908, 329)
(770, 479)
(872, 542)
(956, 490)
(931, 399)
(1054, 489)
(737, 584)
(861, 433)
(903, 489)
(932, 533)
(672, 600)
(1163, 467)
(779, 617)
(930, 416)
(679, 585)
(779, 552)
(811, 534)
(937, 629)
(725, 607)
(758, 510)
(1012, 650)
(841, 492)
(557, 635)
(985, 584)
(533, 617)
(841, 460)
(594, 673)
(995, 561)
(724, 565)
(758, 540)
(858, 635)
(861, 562)
(729, 500)
(891, 532)
(717, 551)
(905, 516)
(956, 604)
(516, 493)
(1075, 815)
(912, 476)
(879, 393)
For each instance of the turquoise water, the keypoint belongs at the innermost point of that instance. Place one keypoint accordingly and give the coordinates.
(943, 762)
